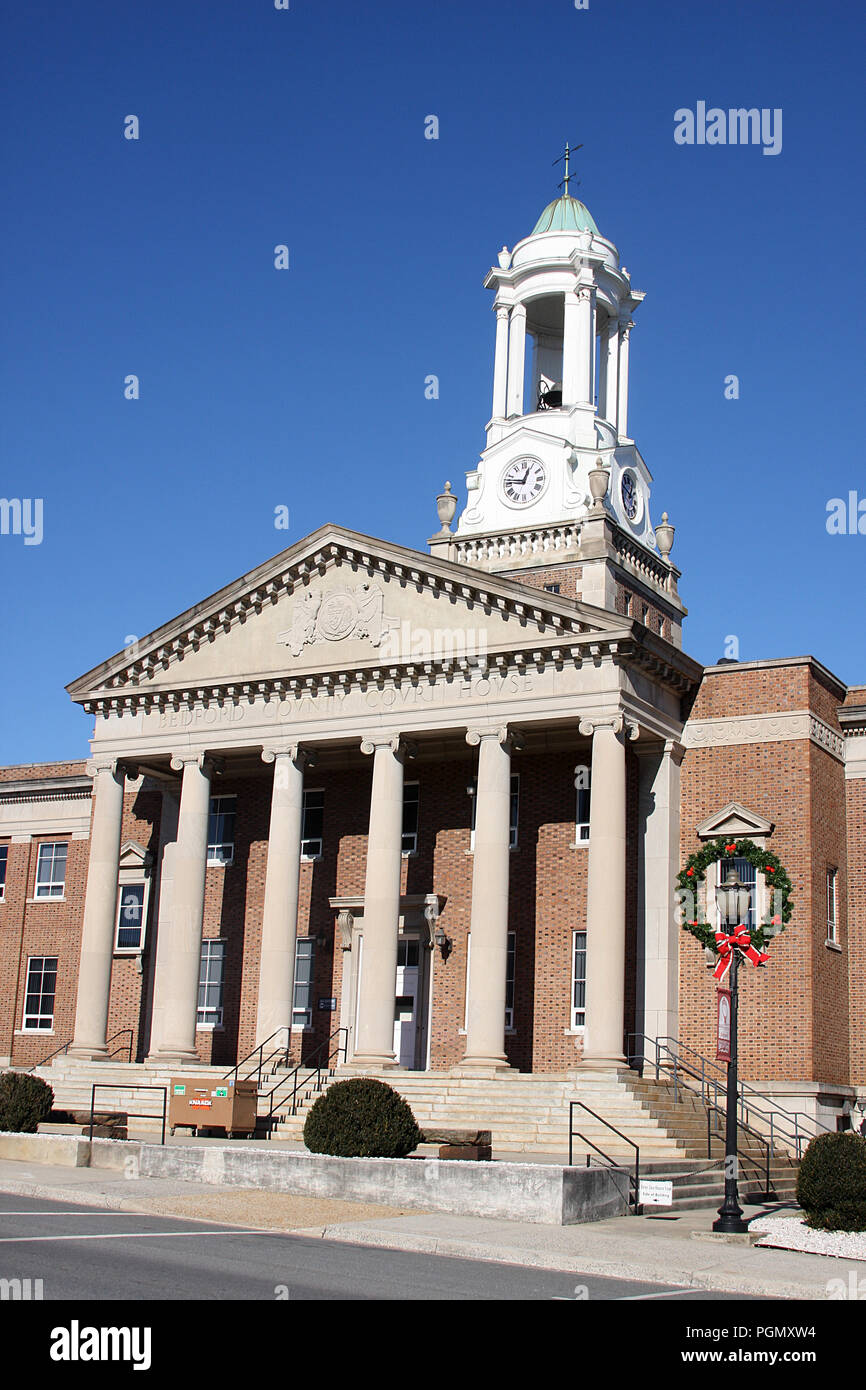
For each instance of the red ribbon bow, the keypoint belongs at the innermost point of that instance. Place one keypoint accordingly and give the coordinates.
(725, 944)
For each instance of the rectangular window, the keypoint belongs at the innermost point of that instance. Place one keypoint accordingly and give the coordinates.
(583, 784)
(514, 809)
(41, 989)
(551, 588)
(302, 1003)
(4, 855)
(51, 870)
(130, 918)
(411, 809)
(312, 829)
(578, 981)
(221, 830)
(832, 920)
(509, 979)
(210, 984)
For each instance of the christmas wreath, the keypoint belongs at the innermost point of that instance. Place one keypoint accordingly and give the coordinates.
(691, 878)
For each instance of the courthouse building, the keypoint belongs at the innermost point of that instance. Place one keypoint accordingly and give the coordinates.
(438, 800)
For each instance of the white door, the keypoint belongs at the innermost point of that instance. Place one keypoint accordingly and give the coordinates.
(406, 1002)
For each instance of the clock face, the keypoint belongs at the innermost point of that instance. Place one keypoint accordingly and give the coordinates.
(629, 493)
(523, 481)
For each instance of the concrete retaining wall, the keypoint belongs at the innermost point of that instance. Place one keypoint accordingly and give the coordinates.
(542, 1193)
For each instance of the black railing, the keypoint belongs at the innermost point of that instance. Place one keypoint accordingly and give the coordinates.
(45, 1060)
(122, 1033)
(130, 1115)
(634, 1181)
(271, 1060)
(314, 1068)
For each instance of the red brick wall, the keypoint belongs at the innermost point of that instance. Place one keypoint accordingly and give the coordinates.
(568, 578)
(855, 790)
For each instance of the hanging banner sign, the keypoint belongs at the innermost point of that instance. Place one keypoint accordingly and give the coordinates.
(723, 1034)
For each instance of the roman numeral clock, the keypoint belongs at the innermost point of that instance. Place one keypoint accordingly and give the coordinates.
(523, 481)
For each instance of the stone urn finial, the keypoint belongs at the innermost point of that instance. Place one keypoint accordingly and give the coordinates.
(665, 537)
(599, 477)
(446, 506)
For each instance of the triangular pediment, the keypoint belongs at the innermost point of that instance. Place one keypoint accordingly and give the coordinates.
(133, 855)
(735, 822)
(339, 601)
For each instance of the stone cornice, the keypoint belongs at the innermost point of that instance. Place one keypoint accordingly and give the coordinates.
(763, 728)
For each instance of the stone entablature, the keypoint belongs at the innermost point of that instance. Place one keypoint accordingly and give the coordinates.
(763, 728)
(45, 806)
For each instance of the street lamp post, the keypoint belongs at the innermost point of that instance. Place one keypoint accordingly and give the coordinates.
(734, 902)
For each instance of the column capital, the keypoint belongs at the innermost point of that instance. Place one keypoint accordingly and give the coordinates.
(186, 756)
(674, 750)
(617, 721)
(400, 746)
(502, 310)
(519, 310)
(625, 327)
(501, 732)
(304, 757)
(101, 763)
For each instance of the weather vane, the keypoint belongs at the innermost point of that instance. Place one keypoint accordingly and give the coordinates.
(569, 150)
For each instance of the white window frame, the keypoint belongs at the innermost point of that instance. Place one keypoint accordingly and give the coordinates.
(206, 1024)
(216, 849)
(512, 957)
(581, 827)
(513, 812)
(29, 1028)
(578, 1014)
(53, 882)
(4, 861)
(120, 926)
(411, 835)
(302, 1018)
(832, 906)
(312, 845)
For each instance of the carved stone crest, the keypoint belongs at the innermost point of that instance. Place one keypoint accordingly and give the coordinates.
(334, 617)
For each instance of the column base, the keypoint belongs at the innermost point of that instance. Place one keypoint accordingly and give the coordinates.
(610, 1061)
(172, 1060)
(83, 1053)
(367, 1061)
(483, 1066)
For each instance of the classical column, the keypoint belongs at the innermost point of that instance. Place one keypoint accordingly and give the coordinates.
(282, 878)
(485, 1013)
(658, 932)
(622, 408)
(374, 1043)
(571, 349)
(100, 908)
(610, 349)
(605, 891)
(178, 963)
(500, 365)
(516, 359)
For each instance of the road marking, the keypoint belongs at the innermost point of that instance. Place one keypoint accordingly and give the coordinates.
(132, 1235)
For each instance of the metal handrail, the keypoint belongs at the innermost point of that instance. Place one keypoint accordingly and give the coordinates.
(259, 1051)
(130, 1115)
(572, 1133)
(292, 1096)
(121, 1032)
(62, 1048)
(787, 1123)
(717, 1109)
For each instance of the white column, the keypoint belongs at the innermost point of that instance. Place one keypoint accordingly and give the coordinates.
(610, 348)
(658, 932)
(282, 879)
(605, 892)
(622, 409)
(516, 359)
(374, 1043)
(572, 363)
(500, 364)
(100, 907)
(178, 961)
(485, 1013)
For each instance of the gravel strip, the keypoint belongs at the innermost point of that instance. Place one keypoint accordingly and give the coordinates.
(277, 1211)
(792, 1233)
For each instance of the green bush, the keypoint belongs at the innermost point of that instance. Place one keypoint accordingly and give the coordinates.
(361, 1118)
(831, 1183)
(24, 1102)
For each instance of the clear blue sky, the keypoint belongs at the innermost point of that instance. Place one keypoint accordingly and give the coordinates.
(306, 387)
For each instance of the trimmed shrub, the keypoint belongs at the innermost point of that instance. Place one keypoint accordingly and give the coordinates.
(361, 1118)
(831, 1183)
(24, 1102)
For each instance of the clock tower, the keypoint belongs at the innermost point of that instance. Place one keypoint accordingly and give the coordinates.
(559, 458)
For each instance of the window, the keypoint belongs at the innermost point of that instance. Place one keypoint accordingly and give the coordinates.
(221, 830)
(210, 984)
(39, 1000)
(509, 979)
(551, 588)
(411, 808)
(578, 980)
(51, 870)
(302, 1003)
(130, 918)
(312, 829)
(513, 811)
(583, 784)
(4, 855)
(832, 920)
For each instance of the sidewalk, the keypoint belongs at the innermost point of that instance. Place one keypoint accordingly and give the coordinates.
(646, 1248)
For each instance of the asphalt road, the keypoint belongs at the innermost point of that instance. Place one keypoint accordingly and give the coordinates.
(88, 1253)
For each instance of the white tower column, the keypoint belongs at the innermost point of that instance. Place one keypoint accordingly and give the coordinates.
(622, 410)
(516, 359)
(605, 892)
(282, 878)
(500, 365)
(571, 350)
(610, 350)
(100, 906)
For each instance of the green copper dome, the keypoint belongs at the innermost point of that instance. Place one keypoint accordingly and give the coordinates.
(565, 215)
